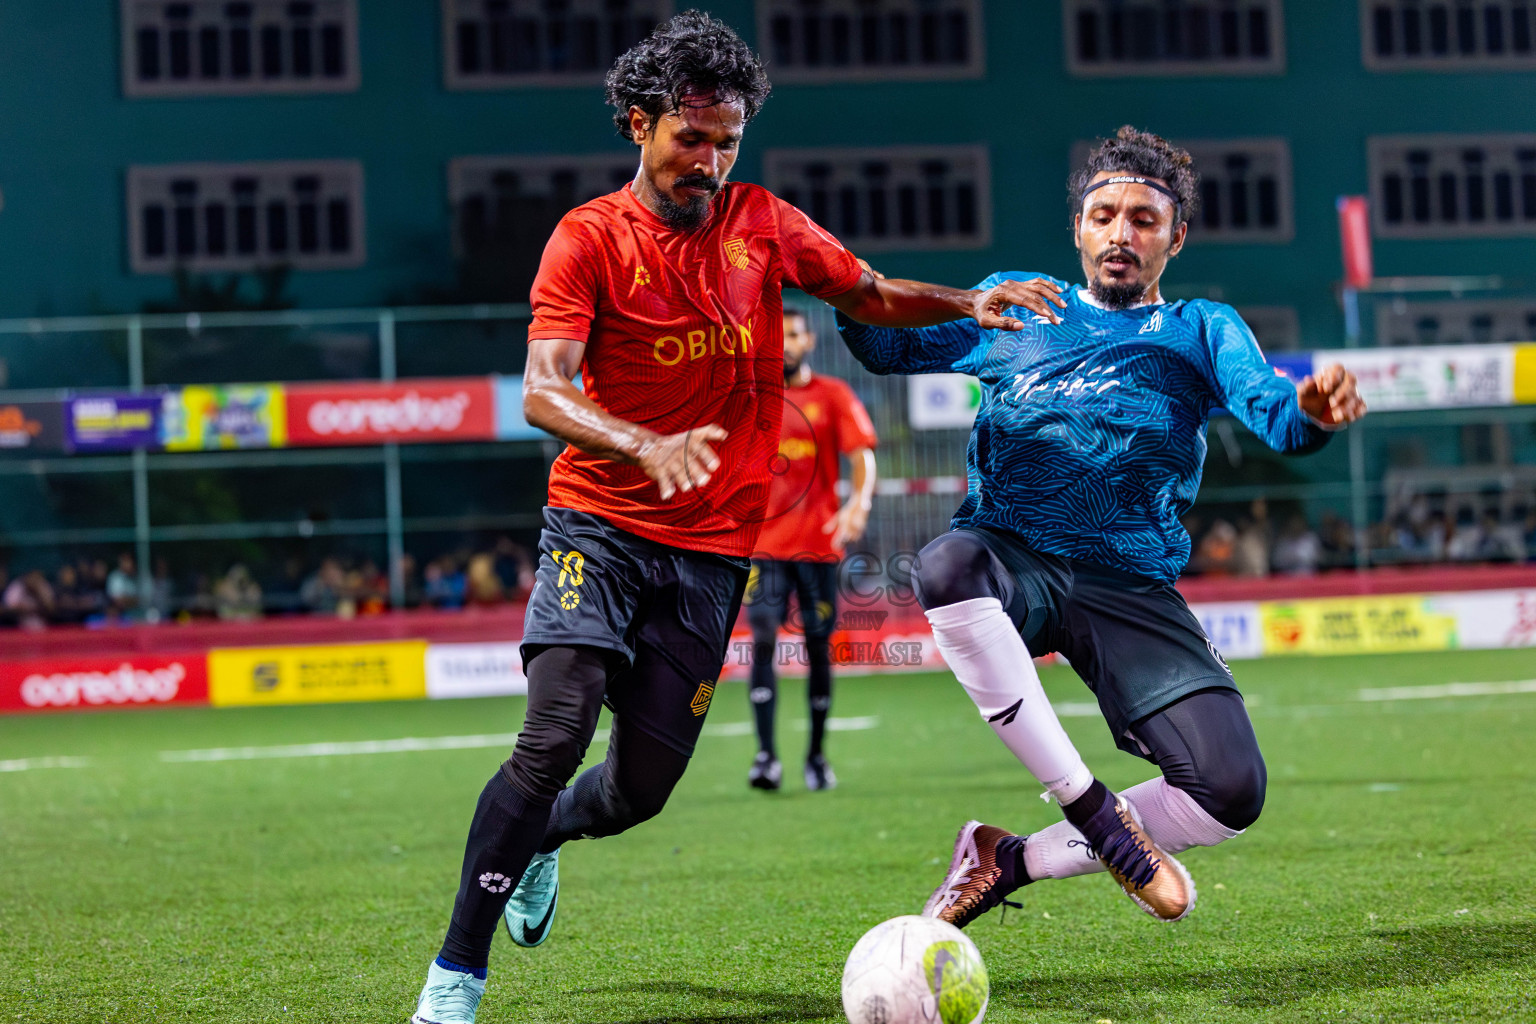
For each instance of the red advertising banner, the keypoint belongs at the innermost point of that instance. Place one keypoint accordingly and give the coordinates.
(410, 411)
(132, 680)
(1355, 238)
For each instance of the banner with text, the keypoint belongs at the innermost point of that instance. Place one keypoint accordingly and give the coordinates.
(391, 670)
(214, 417)
(410, 411)
(74, 683)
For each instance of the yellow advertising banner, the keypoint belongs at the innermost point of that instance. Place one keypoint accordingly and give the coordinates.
(218, 416)
(1525, 373)
(393, 670)
(1355, 625)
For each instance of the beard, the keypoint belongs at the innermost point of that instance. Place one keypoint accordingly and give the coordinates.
(691, 215)
(791, 368)
(1116, 294)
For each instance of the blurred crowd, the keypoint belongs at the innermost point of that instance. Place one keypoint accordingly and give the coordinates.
(1249, 542)
(1418, 529)
(94, 591)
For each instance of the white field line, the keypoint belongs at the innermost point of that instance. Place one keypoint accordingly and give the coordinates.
(414, 744)
(26, 764)
(344, 749)
(1436, 691)
(833, 725)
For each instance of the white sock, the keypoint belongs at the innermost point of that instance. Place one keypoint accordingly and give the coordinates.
(987, 655)
(1171, 816)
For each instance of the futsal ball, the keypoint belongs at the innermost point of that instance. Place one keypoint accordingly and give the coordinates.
(915, 970)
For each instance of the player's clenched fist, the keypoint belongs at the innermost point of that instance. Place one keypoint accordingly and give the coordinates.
(1331, 396)
(681, 462)
(1036, 295)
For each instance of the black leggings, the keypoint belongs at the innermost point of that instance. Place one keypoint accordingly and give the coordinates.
(1205, 746)
(565, 695)
(1203, 742)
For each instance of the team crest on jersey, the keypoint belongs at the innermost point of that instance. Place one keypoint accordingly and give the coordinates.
(700, 702)
(736, 253)
(1153, 325)
(642, 276)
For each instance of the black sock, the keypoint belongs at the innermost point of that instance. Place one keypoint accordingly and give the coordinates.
(1093, 814)
(764, 693)
(505, 833)
(818, 686)
(1010, 857)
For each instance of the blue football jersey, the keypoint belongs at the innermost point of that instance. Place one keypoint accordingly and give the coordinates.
(1090, 439)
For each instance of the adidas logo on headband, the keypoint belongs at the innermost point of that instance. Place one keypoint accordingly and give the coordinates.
(1136, 179)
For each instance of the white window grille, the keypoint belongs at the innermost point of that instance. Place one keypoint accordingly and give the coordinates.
(1453, 186)
(1449, 35)
(217, 47)
(890, 198)
(849, 40)
(1174, 37)
(492, 44)
(1402, 323)
(1245, 189)
(516, 201)
(236, 217)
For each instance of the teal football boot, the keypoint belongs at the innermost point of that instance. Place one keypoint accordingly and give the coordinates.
(531, 910)
(449, 997)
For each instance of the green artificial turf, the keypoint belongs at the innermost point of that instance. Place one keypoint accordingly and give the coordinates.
(1388, 880)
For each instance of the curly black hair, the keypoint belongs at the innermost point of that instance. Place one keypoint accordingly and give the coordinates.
(690, 52)
(1151, 156)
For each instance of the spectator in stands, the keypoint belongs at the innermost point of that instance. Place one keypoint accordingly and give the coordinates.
(31, 599)
(1502, 542)
(123, 587)
(1467, 540)
(1338, 540)
(483, 585)
(73, 604)
(237, 597)
(326, 587)
(444, 583)
(1250, 553)
(161, 599)
(513, 566)
(368, 589)
(1298, 551)
(1217, 549)
(411, 580)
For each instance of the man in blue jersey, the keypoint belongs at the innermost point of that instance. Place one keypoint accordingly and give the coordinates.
(1087, 450)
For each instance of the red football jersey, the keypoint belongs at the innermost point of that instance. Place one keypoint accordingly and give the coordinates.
(822, 420)
(682, 328)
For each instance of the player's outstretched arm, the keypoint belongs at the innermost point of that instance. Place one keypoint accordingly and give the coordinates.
(1295, 419)
(676, 462)
(892, 302)
(938, 348)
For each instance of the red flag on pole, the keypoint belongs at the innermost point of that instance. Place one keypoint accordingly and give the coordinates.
(1355, 238)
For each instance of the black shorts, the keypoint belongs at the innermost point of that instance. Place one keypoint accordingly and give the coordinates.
(1132, 639)
(814, 585)
(668, 611)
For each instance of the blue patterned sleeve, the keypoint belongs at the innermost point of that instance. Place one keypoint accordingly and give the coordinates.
(913, 349)
(1250, 389)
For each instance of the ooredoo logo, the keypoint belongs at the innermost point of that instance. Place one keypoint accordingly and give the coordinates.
(410, 413)
(122, 685)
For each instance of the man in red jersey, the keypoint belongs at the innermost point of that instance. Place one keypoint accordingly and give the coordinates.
(666, 297)
(802, 542)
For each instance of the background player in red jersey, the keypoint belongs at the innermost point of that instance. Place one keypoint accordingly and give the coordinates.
(666, 296)
(802, 542)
